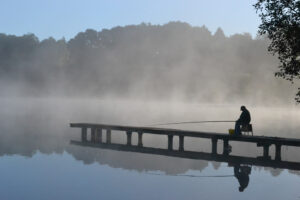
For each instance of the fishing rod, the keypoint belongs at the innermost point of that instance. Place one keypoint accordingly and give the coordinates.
(191, 122)
(193, 176)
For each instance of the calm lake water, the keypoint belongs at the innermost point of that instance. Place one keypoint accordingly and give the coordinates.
(38, 162)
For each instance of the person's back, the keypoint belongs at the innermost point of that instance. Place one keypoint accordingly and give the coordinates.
(245, 118)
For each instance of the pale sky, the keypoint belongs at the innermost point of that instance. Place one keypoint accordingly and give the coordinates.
(65, 18)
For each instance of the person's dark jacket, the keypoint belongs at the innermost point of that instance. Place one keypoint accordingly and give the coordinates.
(245, 117)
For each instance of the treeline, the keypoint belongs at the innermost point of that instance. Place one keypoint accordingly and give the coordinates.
(174, 60)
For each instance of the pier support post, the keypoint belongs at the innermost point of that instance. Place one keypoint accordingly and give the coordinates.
(140, 139)
(181, 142)
(225, 147)
(170, 142)
(108, 136)
(93, 134)
(214, 142)
(128, 133)
(99, 135)
(83, 134)
(266, 151)
(278, 152)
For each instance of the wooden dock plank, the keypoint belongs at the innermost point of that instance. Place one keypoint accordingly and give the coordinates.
(198, 134)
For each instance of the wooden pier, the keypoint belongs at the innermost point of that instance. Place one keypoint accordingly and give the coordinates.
(96, 131)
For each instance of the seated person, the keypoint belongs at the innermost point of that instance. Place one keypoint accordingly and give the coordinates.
(244, 119)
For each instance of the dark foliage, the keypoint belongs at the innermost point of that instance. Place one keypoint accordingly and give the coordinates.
(281, 23)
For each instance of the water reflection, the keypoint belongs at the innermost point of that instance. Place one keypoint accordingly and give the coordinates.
(241, 165)
(230, 159)
(242, 172)
(35, 126)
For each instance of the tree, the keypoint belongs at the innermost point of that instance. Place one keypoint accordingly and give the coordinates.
(280, 21)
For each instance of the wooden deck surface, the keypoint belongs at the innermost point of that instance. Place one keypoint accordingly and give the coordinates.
(199, 134)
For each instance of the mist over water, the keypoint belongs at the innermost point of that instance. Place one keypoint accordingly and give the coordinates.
(31, 125)
(36, 127)
(174, 61)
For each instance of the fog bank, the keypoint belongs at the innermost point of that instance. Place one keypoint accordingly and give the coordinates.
(172, 61)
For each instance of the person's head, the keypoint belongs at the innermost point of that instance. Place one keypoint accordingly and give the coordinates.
(243, 108)
(241, 189)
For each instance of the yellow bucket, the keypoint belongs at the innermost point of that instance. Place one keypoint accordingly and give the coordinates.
(231, 131)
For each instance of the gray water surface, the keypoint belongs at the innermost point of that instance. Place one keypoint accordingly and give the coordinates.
(38, 162)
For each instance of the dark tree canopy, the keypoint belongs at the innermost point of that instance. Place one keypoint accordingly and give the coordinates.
(281, 23)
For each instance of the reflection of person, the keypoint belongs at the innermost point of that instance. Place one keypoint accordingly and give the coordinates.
(244, 119)
(242, 175)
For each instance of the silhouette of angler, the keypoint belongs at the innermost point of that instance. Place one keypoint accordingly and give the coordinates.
(244, 119)
(242, 175)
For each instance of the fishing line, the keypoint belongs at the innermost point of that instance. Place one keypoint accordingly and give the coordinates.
(192, 176)
(189, 122)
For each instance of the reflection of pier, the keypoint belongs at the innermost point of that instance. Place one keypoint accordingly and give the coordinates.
(230, 159)
(265, 142)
